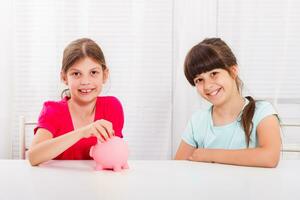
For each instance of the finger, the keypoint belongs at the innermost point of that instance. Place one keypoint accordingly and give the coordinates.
(108, 127)
(97, 135)
(110, 134)
(101, 131)
(100, 139)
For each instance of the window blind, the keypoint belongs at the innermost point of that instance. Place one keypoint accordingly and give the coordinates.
(264, 37)
(136, 38)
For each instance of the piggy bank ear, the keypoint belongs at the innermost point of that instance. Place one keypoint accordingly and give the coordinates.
(91, 151)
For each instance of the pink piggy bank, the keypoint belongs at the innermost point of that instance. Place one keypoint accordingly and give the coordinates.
(111, 154)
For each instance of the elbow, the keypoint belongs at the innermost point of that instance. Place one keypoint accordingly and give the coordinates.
(271, 161)
(177, 158)
(181, 157)
(31, 158)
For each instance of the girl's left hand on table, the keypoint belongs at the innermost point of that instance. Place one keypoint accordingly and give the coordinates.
(199, 155)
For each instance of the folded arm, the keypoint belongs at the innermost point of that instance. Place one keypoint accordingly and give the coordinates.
(267, 153)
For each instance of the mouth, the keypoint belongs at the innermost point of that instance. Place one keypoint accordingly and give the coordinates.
(85, 91)
(213, 93)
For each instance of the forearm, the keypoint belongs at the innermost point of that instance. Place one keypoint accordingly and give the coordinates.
(51, 148)
(256, 157)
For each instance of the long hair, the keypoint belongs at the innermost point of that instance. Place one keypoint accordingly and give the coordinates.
(214, 53)
(77, 50)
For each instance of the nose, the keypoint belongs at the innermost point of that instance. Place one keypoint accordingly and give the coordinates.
(207, 86)
(85, 80)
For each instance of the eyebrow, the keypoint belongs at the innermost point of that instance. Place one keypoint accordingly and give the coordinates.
(198, 76)
(95, 68)
(75, 69)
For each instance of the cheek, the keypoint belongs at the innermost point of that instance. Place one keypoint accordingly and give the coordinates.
(229, 83)
(73, 84)
(200, 89)
(99, 82)
(223, 80)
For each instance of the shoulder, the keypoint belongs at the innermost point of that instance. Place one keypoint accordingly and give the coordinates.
(261, 104)
(262, 110)
(264, 106)
(51, 115)
(55, 104)
(109, 105)
(108, 100)
(54, 107)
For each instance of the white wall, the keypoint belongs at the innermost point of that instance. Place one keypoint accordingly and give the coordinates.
(264, 36)
(136, 38)
(6, 52)
(145, 43)
(194, 20)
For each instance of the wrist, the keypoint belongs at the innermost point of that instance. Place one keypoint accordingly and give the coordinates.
(209, 155)
(80, 133)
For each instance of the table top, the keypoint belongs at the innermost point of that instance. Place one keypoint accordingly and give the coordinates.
(151, 179)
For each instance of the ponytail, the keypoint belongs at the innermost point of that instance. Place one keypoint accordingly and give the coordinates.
(247, 116)
(65, 93)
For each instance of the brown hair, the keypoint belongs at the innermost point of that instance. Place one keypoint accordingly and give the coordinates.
(213, 53)
(79, 49)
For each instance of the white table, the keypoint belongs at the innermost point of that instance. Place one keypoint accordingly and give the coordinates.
(183, 180)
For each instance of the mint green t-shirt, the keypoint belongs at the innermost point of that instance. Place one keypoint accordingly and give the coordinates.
(201, 133)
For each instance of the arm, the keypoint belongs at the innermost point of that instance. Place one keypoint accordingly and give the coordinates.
(44, 147)
(184, 151)
(267, 153)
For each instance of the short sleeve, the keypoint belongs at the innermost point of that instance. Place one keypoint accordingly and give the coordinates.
(264, 109)
(188, 135)
(114, 113)
(47, 119)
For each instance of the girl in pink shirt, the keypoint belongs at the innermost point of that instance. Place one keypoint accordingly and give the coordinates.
(67, 129)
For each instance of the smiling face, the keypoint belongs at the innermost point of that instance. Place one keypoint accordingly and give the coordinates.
(217, 86)
(85, 79)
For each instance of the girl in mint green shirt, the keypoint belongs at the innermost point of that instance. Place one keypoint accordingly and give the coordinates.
(235, 129)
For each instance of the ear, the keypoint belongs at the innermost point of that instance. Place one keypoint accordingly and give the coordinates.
(234, 71)
(105, 75)
(63, 77)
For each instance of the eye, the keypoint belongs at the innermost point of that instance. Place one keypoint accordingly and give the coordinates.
(94, 72)
(213, 74)
(76, 74)
(198, 81)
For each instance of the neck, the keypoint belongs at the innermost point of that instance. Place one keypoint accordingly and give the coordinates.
(230, 109)
(82, 110)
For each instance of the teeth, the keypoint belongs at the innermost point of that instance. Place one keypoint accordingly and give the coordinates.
(214, 92)
(86, 91)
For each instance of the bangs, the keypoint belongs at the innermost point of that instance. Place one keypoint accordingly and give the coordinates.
(201, 58)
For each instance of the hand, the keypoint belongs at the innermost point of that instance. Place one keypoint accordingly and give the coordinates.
(199, 154)
(102, 129)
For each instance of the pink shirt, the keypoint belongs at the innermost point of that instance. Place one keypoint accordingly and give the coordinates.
(56, 118)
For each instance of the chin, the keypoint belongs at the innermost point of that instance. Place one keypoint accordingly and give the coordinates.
(216, 102)
(85, 100)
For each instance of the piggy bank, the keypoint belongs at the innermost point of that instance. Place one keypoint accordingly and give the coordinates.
(111, 154)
